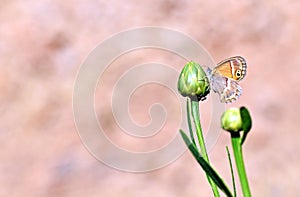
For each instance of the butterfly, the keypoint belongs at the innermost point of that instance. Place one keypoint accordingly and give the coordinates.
(225, 76)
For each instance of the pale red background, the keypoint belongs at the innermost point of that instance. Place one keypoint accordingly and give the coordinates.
(42, 44)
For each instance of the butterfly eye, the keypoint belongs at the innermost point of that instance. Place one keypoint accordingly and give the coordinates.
(238, 73)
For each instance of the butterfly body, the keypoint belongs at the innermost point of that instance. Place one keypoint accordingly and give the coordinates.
(225, 76)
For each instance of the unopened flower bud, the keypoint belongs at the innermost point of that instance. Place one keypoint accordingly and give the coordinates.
(193, 82)
(231, 120)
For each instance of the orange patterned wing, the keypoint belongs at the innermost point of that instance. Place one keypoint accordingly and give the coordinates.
(233, 68)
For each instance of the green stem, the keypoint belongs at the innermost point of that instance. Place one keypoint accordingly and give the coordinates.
(196, 118)
(188, 109)
(231, 171)
(239, 161)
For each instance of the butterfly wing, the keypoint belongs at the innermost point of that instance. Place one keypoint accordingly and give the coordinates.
(233, 67)
(228, 89)
(231, 92)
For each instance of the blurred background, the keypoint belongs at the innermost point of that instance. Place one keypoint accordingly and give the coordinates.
(43, 43)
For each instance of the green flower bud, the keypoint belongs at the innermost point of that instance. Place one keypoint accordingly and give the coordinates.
(193, 82)
(231, 120)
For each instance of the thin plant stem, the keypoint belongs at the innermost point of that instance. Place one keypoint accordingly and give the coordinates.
(231, 171)
(196, 118)
(188, 109)
(239, 161)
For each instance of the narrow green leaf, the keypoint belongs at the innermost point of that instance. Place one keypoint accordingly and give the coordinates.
(188, 109)
(247, 122)
(243, 138)
(246, 118)
(205, 166)
(231, 170)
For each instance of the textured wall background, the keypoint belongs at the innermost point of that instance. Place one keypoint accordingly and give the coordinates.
(42, 44)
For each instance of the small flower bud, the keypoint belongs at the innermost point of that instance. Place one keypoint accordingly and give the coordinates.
(193, 82)
(231, 120)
